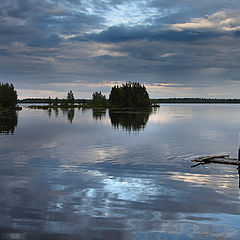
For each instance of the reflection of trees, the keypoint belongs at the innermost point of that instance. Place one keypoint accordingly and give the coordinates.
(56, 112)
(70, 114)
(131, 119)
(8, 122)
(98, 113)
(49, 111)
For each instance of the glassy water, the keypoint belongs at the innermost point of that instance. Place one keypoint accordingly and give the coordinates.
(101, 174)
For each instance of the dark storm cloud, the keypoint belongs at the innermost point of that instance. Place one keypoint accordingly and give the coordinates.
(121, 34)
(40, 23)
(202, 7)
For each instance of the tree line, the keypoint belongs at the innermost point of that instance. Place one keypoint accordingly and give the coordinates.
(129, 94)
(195, 100)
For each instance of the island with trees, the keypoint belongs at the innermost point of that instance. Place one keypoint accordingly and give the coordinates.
(8, 97)
(128, 95)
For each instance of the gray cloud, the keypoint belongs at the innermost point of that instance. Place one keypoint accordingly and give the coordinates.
(39, 23)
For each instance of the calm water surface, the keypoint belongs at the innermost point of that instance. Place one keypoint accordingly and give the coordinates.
(100, 174)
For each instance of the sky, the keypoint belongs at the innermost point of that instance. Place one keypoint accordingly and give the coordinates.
(176, 48)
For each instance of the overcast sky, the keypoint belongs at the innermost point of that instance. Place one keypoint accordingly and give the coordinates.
(177, 48)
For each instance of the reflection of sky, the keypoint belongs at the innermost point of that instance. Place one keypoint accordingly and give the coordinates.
(132, 188)
(87, 178)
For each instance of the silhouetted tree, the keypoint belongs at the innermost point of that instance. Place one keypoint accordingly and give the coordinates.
(55, 103)
(8, 96)
(130, 95)
(64, 103)
(98, 99)
(70, 97)
(49, 101)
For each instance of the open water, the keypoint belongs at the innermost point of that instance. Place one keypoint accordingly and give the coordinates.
(101, 174)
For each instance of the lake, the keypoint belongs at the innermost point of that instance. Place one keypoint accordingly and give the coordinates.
(101, 174)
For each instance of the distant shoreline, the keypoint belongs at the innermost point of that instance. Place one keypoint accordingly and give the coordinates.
(196, 101)
(154, 101)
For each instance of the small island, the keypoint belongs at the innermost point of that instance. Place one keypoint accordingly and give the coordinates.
(128, 95)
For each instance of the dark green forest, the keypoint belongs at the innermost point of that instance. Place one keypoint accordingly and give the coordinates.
(129, 95)
(98, 99)
(8, 96)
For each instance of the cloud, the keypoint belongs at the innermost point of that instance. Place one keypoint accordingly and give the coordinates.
(41, 23)
(123, 34)
(217, 22)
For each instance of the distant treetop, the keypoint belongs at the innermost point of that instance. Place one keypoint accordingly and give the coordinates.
(130, 95)
(70, 97)
(98, 99)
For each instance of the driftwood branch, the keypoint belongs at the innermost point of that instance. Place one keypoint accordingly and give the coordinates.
(204, 159)
(220, 159)
(201, 163)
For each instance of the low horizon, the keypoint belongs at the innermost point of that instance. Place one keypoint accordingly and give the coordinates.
(150, 98)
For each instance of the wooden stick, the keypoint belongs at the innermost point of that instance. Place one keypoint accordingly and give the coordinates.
(201, 163)
(219, 160)
(222, 161)
(203, 159)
